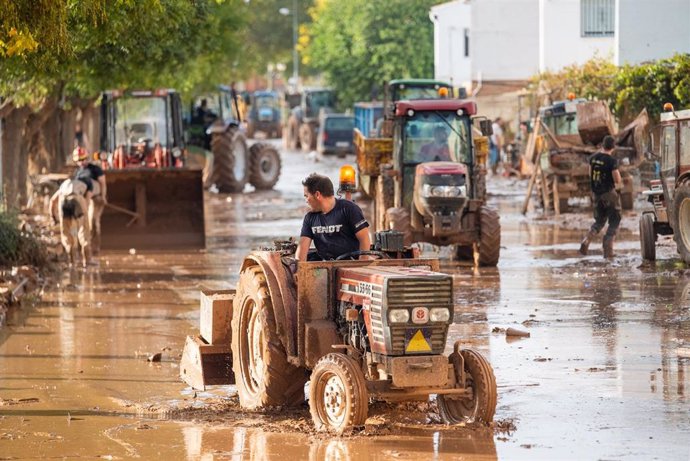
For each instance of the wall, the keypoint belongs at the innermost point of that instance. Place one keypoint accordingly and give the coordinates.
(560, 40)
(450, 21)
(504, 39)
(651, 29)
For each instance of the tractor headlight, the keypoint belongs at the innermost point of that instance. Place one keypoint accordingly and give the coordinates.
(439, 314)
(442, 191)
(398, 316)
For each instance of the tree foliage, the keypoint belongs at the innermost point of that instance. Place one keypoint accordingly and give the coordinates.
(627, 89)
(360, 44)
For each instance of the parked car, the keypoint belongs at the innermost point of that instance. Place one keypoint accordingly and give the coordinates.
(335, 134)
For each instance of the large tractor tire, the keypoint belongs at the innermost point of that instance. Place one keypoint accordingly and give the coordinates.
(647, 237)
(681, 214)
(489, 237)
(293, 133)
(307, 137)
(263, 375)
(230, 157)
(385, 190)
(264, 166)
(480, 377)
(338, 398)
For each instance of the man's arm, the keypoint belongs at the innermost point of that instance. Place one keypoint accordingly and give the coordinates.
(53, 206)
(617, 181)
(364, 240)
(303, 248)
(104, 190)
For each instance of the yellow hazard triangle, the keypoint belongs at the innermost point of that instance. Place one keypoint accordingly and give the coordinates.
(418, 343)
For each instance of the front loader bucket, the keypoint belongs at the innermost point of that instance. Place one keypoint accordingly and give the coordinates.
(206, 364)
(153, 209)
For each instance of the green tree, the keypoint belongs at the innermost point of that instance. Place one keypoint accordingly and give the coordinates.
(359, 44)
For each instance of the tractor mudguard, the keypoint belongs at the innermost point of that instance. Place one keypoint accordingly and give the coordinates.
(281, 287)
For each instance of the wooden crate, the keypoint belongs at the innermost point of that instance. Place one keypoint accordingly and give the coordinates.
(215, 314)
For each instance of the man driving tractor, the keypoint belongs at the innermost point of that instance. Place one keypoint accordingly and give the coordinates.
(337, 226)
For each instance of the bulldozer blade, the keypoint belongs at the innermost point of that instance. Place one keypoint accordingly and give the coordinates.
(205, 364)
(153, 209)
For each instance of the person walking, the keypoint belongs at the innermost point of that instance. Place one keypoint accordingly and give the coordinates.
(68, 206)
(495, 145)
(94, 175)
(605, 181)
(336, 226)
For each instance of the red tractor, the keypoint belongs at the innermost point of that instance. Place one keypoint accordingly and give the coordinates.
(671, 194)
(356, 330)
(428, 180)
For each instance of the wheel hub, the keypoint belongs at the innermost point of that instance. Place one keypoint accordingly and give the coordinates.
(255, 340)
(334, 399)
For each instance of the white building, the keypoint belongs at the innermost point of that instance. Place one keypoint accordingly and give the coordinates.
(508, 40)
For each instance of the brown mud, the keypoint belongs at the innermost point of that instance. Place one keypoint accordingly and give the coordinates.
(603, 375)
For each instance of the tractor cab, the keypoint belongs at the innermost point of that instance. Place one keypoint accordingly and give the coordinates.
(141, 129)
(433, 150)
(222, 106)
(561, 117)
(316, 100)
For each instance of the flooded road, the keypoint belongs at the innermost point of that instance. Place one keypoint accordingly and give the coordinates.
(604, 374)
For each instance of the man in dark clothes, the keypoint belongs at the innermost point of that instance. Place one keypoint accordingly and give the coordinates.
(92, 174)
(605, 180)
(336, 226)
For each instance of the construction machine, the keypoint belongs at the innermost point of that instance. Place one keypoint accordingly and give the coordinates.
(354, 330)
(303, 121)
(234, 163)
(669, 195)
(264, 114)
(154, 200)
(428, 180)
(571, 132)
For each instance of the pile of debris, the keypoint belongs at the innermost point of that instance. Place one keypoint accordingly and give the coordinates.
(29, 250)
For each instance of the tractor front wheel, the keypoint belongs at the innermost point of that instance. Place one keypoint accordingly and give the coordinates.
(338, 398)
(489, 237)
(263, 375)
(307, 137)
(264, 166)
(479, 377)
(647, 237)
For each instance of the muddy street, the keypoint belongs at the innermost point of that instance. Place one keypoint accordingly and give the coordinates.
(603, 375)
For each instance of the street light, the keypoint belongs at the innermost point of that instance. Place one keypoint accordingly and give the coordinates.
(295, 56)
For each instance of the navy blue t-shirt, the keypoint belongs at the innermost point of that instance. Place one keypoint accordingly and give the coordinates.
(602, 172)
(334, 232)
(89, 173)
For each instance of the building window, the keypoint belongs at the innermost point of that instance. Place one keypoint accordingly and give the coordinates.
(597, 17)
(467, 42)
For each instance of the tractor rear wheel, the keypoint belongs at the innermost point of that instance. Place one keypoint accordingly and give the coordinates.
(264, 166)
(681, 230)
(263, 375)
(480, 378)
(230, 170)
(338, 398)
(489, 237)
(647, 237)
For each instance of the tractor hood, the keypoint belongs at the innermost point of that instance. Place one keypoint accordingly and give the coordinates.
(440, 195)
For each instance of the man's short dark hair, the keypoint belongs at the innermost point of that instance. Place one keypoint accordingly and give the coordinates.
(608, 143)
(318, 183)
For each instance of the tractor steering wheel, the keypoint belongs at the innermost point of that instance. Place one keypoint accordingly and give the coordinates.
(353, 254)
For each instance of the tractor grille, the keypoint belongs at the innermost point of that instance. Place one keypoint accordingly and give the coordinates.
(408, 293)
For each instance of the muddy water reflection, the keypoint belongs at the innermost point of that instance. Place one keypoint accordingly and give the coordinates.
(601, 376)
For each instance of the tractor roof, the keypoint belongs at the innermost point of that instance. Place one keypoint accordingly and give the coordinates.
(469, 107)
(670, 116)
(418, 82)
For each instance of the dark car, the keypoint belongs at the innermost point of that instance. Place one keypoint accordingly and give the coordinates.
(335, 134)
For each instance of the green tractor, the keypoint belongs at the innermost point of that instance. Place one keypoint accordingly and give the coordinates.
(217, 128)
